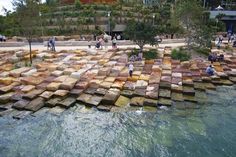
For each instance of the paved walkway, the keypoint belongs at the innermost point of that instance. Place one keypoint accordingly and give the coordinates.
(59, 48)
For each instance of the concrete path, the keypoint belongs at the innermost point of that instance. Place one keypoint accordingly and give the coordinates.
(59, 48)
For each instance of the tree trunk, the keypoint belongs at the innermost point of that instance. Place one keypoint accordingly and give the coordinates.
(141, 48)
(30, 51)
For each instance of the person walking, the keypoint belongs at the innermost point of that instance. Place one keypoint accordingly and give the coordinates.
(89, 44)
(53, 42)
(131, 69)
(114, 43)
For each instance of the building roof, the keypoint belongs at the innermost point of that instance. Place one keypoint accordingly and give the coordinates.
(214, 13)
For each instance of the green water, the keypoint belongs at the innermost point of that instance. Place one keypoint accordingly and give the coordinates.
(204, 130)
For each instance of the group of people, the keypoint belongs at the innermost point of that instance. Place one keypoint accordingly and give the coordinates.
(51, 44)
(103, 40)
(213, 57)
(231, 39)
(138, 57)
(2, 38)
(219, 41)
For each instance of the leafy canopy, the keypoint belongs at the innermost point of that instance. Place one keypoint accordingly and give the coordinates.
(27, 12)
(141, 33)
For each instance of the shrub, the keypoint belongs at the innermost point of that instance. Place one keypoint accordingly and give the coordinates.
(151, 54)
(203, 51)
(180, 54)
(134, 52)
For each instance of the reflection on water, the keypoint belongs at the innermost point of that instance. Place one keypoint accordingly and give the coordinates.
(208, 131)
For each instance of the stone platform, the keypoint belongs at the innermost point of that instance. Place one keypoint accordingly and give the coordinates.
(100, 79)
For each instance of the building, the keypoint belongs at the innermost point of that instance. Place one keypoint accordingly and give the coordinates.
(228, 17)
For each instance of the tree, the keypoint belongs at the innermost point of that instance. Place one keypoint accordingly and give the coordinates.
(77, 4)
(27, 12)
(141, 33)
(196, 23)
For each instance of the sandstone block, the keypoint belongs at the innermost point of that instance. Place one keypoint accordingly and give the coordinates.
(67, 103)
(61, 93)
(20, 105)
(104, 108)
(137, 101)
(4, 98)
(53, 86)
(164, 93)
(17, 72)
(27, 88)
(141, 84)
(110, 97)
(32, 94)
(127, 93)
(165, 102)
(46, 94)
(35, 104)
(84, 98)
(52, 102)
(122, 101)
(68, 84)
(150, 102)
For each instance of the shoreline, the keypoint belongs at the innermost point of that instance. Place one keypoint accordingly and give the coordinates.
(99, 78)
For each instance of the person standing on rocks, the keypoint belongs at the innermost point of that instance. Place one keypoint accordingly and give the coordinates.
(114, 43)
(131, 69)
(89, 43)
(53, 44)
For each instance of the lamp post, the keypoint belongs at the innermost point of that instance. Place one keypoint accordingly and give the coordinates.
(217, 20)
(40, 15)
(153, 18)
(109, 23)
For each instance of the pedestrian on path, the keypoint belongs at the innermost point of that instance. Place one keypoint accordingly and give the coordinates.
(114, 43)
(131, 69)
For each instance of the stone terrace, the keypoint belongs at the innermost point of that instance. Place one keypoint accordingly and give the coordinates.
(100, 79)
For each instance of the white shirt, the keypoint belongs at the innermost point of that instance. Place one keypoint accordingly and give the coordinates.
(131, 67)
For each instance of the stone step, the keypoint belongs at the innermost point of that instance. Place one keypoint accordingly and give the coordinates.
(22, 115)
(164, 93)
(52, 102)
(110, 97)
(137, 101)
(187, 90)
(67, 102)
(35, 104)
(122, 101)
(150, 102)
(32, 94)
(164, 102)
(104, 108)
(21, 104)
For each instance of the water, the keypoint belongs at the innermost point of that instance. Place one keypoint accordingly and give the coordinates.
(207, 129)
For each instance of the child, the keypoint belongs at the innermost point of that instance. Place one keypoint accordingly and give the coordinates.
(89, 44)
(131, 68)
